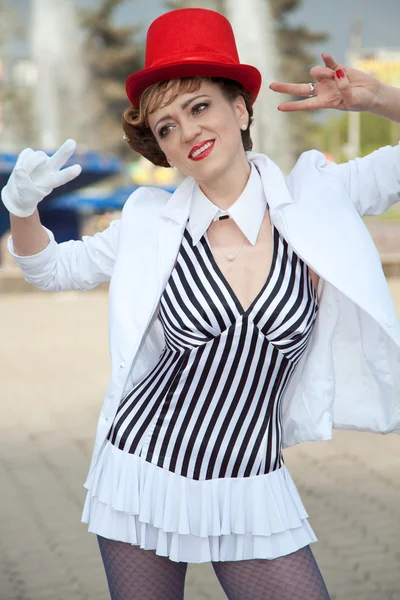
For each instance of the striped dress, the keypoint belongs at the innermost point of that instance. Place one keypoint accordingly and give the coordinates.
(193, 465)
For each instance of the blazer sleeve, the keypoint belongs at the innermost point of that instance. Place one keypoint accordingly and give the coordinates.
(74, 265)
(373, 182)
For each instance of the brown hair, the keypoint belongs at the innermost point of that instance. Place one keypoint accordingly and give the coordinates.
(135, 118)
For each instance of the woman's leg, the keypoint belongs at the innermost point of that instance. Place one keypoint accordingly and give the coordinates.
(292, 577)
(137, 574)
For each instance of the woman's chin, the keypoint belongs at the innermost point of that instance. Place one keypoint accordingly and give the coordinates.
(210, 170)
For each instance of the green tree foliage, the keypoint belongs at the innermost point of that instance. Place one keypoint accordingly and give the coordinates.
(296, 56)
(332, 136)
(376, 132)
(3, 22)
(16, 122)
(112, 53)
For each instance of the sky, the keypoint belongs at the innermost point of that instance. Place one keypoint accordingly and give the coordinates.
(380, 20)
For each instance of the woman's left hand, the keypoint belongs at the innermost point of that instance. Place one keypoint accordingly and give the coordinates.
(336, 86)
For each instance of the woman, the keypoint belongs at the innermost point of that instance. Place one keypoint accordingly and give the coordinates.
(246, 314)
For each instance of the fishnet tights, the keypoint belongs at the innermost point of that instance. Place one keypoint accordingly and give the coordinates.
(292, 577)
(136, 574)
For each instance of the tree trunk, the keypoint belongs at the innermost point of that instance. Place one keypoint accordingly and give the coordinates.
(254, 29)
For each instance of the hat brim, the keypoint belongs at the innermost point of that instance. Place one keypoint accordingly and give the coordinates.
(249, 77)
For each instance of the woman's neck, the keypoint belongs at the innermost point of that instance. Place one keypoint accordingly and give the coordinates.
(225, 190)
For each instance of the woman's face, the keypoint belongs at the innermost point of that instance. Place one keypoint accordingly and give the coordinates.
(200, 132)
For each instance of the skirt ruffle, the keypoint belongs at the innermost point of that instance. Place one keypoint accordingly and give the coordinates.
(132, 500)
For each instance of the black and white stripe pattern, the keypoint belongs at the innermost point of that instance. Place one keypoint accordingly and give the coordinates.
(211, 406)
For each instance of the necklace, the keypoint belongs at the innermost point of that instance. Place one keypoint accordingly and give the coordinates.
(228, 256)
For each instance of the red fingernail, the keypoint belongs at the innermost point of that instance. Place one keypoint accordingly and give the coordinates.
(340, 74)
(333, 75)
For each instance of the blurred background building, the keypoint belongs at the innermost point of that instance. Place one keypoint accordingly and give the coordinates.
(63, 66)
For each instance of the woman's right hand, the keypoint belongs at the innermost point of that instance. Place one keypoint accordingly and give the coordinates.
(35, 175)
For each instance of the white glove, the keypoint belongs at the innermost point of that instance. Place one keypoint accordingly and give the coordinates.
(34, 176)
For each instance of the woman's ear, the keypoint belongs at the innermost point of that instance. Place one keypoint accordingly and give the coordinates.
(241, 109)
(171, 165)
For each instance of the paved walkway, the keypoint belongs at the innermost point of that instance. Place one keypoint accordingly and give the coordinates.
(53, 372)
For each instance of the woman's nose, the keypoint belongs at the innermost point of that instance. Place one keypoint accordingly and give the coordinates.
(190, 130)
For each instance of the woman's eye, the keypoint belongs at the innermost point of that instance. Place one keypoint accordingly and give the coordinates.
(164, 131)
(198, 108)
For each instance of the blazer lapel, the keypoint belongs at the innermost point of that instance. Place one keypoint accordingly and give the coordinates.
(174, 217)
(273, 181)
(316, 216)
(148, 257)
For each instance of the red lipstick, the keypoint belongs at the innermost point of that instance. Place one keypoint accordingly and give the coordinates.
(203, 154)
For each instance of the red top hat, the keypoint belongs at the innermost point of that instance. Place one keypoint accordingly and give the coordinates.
(191, 42)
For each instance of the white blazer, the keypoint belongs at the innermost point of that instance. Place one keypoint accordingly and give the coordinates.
(349, 377)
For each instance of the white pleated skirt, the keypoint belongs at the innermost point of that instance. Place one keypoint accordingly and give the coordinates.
(132, 500)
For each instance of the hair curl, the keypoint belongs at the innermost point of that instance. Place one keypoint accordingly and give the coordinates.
(135, 118)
